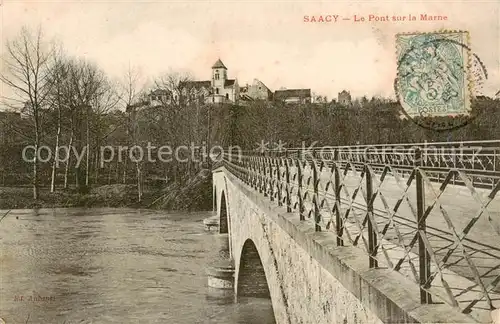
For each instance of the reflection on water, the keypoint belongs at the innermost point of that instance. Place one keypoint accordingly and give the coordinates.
(113, 266)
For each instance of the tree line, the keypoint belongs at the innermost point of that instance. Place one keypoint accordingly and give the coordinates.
(70, 102)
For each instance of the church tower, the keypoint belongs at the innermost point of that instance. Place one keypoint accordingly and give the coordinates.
(219, 76)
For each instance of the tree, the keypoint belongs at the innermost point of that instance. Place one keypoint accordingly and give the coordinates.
(132, 86)
(103, 102)
(317, 98)
(176, 116)
(26, 73)
(176, 84)
(58, 76)
(132, 93)
(364, 101)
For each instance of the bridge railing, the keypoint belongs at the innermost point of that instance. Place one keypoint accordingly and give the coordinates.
(433, 221)
(481, 157)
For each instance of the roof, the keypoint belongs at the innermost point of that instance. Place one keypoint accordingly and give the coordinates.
(292, 93)
(219, 64)
(246, 97)
(229, 83)
(197, 84)
(344, 91)
(257, 82)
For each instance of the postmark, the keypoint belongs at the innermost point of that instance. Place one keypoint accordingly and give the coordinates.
(438, 78)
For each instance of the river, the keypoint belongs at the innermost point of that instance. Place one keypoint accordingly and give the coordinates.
(113, 266)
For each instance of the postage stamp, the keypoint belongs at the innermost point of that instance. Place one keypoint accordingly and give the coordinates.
(433, 77)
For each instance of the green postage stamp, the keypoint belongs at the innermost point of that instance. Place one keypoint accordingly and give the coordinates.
(433, 73)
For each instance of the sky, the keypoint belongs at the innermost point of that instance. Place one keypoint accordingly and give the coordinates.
(255, 39)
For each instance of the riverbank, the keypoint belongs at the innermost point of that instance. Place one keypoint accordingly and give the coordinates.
(192, 194)
(118, 195)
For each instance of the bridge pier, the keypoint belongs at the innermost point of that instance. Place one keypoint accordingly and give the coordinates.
(221, 274)
(211, 223)
(221, 271)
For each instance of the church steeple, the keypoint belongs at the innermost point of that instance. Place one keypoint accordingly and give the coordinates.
(219, 74)
(219, 65)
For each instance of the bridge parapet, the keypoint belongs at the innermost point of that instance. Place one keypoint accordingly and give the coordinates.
(438, 225)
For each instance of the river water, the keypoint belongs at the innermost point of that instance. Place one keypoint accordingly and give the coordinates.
(113, 266)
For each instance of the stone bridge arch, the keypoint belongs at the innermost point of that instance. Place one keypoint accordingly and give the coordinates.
(252, 281)
(214, 199)
(224, 223)
(223, 215)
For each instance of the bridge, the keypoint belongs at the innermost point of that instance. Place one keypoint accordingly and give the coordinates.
(365, 234)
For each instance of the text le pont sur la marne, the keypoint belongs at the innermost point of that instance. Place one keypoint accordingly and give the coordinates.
(371, 18)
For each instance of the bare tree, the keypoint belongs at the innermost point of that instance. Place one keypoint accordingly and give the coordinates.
(26, 71)
(176, 84)
(86, 84)
(59, 76)
(174, 116)
(133, 88)
(105, 100)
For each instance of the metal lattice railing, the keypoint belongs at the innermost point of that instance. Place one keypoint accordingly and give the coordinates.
(435, 220)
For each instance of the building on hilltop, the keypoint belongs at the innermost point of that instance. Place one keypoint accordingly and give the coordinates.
(224, 89)
(344, 98)
(219, 89)
(255, 91)
(159, 96)
(197, 91)
(293, 95)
